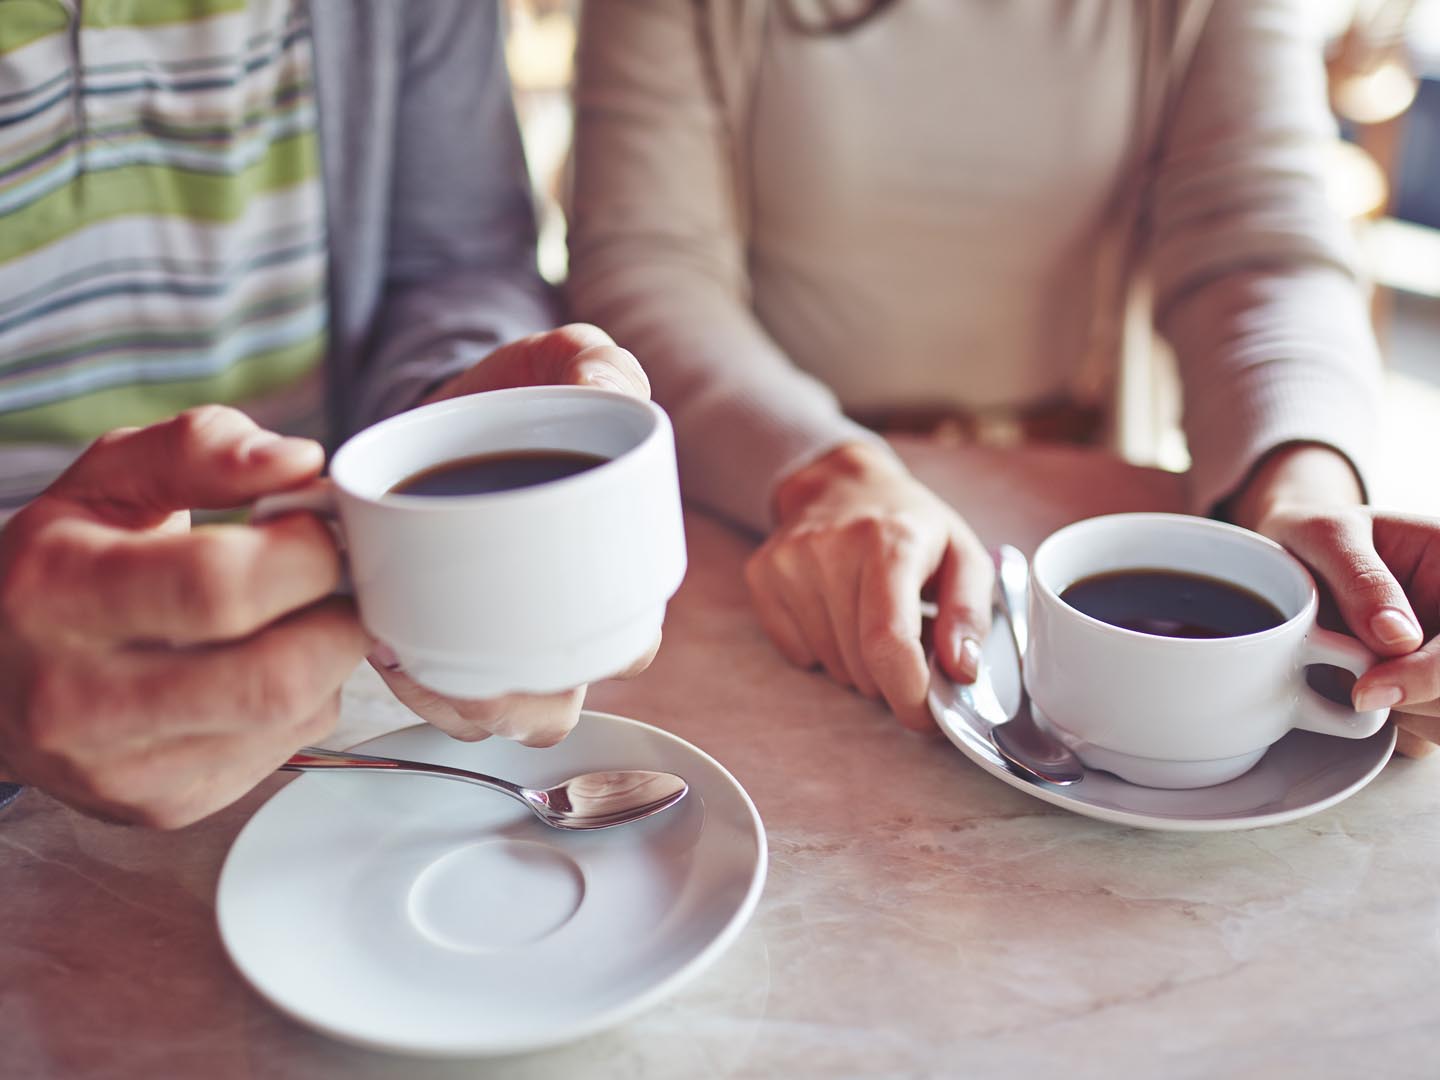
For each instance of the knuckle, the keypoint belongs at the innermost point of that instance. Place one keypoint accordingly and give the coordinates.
(882, 643)
(21, 587)
(104, 443)
(1321, 530)
(197, 422)
(787, 558)
(320, 723)
(755, 571)
(166, 813)
(281, 691)
(964, 614)
(212, 595)
(578, 336)
(210, 426)
(546, 721)
(47, 714)
(1366, 581)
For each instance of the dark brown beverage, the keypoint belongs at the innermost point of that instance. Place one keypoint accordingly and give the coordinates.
(507, 470)
(1168, 603)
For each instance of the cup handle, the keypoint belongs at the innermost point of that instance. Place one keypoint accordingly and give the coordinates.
(318, 498)
(1318, 713)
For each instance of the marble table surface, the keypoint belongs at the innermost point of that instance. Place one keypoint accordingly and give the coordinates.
(920, 917)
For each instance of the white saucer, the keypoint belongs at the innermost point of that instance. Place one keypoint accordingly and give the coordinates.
(423, 916)
(1300, 775)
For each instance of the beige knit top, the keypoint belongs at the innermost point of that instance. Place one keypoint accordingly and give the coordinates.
(948, 206)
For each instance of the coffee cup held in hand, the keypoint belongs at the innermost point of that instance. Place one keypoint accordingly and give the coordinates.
(1172, 650)
(516, 541)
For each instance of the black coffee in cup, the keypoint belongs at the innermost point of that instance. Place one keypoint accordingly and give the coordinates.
(483, 474)
(1169, 603)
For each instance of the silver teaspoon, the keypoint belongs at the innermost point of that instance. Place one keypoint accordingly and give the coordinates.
(1020, 740)
(595, 800)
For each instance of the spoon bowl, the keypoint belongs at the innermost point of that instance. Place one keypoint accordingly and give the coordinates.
(597, 800)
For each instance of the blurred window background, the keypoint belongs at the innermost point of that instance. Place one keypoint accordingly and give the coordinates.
(1383, 58)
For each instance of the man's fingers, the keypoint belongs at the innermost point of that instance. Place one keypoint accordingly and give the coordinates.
(1342, 551)
(964, 588)
(432, 707)
(100, 728)
(609, 367)
(574, 355)
(211, 457)
(271, 681)
(641, 662)
(1410, 682)
(213, 584)
(534, 720)
(183, 780)
(531, 719)
(889, 622)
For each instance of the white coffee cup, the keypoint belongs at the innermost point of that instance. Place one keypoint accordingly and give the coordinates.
(1180, 712)
(531, 590)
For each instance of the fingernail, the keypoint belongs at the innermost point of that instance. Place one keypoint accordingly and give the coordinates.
(384, 656)
(1378, 697)
(970, 657)
(603, 378)
(1394, 627)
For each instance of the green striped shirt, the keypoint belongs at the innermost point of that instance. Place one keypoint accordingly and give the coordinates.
(161, 221)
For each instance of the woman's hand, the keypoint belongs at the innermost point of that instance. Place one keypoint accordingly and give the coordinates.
(839, 581)
(1383, 570)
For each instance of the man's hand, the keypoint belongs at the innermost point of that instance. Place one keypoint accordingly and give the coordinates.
(839, 581)
(151, 672)
(576, 355)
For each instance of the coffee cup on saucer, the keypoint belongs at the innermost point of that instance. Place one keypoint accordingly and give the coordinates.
(516, 541)
(1173, 651)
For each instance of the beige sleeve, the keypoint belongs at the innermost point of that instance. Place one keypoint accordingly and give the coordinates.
(657, 258)
(1254, 282)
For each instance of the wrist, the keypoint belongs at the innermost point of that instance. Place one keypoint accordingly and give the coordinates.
(1294, 476)
(849, 462)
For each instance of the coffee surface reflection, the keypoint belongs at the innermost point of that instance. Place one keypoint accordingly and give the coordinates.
(1167, 603)
(507, 470)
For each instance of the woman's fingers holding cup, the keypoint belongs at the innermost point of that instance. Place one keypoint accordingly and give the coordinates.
(1410, 683)
(1417, 733)
(1339, 546)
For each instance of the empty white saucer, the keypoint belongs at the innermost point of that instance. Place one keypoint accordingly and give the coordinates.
(1300, 775)
(410, 914)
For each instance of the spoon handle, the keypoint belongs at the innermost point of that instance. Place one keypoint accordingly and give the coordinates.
(1013, 578)
(314, 759)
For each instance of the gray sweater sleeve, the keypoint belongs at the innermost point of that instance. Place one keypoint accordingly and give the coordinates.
(460, 273)
(1254, 282)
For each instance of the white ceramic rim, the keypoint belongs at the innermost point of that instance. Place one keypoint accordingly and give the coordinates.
(604, 1021)
(655, 417)
(1231, 533)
